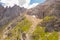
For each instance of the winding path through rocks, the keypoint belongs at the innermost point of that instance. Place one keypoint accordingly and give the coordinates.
(32, 19)
(35, 21)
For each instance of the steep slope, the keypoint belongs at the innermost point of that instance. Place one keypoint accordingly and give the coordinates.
(48, 8)
(16, 32)
(7, 15)
(11, 26)
(35, 22)
(39, 23)
(50, 13)
(51, 8)
(25, 31)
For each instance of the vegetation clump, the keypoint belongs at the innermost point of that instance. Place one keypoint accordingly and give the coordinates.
(20, 28)
(40, 34)
(51, 23)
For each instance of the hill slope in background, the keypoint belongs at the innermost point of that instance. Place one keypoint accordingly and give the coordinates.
(50, 7)
(39, 23)
(8, 14)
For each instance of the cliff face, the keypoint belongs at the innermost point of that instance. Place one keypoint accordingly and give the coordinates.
(8, 14)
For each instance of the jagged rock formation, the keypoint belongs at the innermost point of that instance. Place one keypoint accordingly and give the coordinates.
(8, 14)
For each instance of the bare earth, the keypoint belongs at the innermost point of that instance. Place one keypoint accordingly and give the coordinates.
(35, 22)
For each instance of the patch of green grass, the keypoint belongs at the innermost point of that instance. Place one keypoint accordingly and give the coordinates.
(22, 26)
(49, 18)
(39, 34)
(7, 38)
(53, 36)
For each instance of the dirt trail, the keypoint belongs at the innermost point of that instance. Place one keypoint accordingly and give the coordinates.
(35, 22)
(58, 35)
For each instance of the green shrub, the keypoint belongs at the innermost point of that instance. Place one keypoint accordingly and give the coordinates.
(22, 26)
(39, 34)
(51, 23)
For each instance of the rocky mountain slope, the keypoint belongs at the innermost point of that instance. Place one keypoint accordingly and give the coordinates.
(8, 14)
(39, 23)
(50, 7)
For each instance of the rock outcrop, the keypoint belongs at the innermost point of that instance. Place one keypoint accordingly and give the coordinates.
(8, 14)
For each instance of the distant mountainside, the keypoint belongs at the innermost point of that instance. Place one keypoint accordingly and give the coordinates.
(49, 7)
(8, 14)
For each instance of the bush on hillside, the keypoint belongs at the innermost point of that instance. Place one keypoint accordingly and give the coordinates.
(51, 23)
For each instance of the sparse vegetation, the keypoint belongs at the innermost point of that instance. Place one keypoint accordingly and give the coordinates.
(21, 27)
(39, 34)
(51, 23)
(39, 23)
